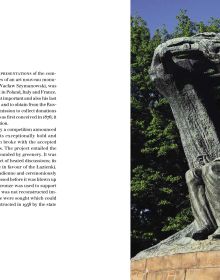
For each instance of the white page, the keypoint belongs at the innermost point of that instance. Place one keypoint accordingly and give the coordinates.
(86, 236)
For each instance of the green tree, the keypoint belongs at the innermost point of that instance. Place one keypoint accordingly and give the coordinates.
(185, 27)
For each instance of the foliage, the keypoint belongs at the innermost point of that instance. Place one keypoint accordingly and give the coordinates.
(185, 26)
(159, 196)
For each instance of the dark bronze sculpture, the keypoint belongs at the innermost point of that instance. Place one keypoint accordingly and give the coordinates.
(187, 72)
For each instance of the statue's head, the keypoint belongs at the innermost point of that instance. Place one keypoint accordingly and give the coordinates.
(187, 59)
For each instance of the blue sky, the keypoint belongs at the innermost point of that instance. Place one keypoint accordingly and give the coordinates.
(159, 12)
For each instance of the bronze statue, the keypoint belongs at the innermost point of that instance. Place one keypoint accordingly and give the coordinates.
(187, 72)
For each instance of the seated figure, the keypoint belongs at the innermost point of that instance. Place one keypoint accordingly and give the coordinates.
(204, 191)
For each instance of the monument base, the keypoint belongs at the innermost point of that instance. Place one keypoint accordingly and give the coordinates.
(188, 266)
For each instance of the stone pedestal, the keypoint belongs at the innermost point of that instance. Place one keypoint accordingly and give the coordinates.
(188, 266)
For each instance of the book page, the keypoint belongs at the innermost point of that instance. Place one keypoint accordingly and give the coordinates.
(62, 140)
